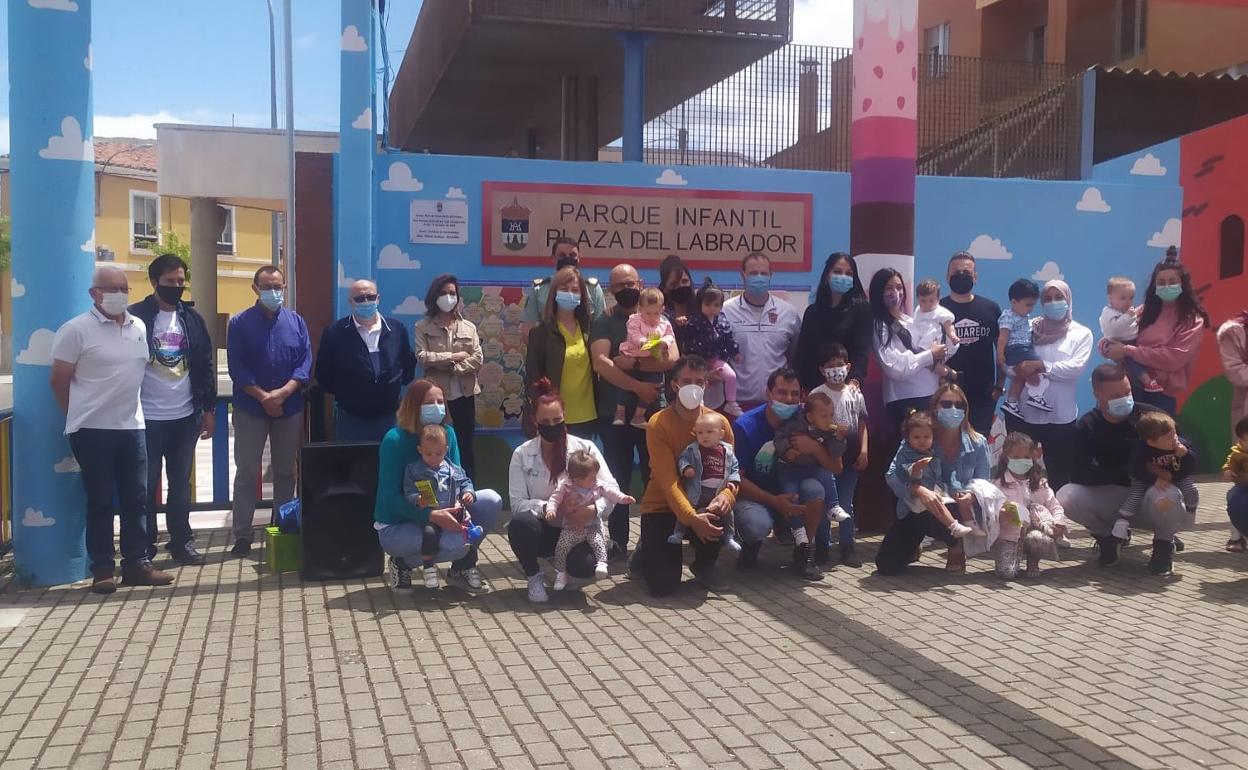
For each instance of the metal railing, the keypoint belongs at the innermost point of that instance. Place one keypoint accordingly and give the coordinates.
(755, 18)
(791, 109)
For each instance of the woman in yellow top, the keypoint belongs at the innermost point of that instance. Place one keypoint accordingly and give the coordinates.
(559, 351)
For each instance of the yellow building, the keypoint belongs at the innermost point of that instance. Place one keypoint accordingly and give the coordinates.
(130, 215)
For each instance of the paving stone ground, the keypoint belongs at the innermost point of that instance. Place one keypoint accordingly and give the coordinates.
(233, 667)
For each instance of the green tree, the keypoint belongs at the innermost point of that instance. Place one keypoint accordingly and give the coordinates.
(172, 243)
(6, 247)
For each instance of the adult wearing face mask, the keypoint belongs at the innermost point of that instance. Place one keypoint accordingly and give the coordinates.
(179, 400)
(1104, 439)
(975, 320)
(565, 253)
(676, 283)
(765, 327)
(623, 445)
(909, 381)
(559, 351)
(1063, 347)
(1172, 327)
(270, 360)
(449, 352)
(656, 561)
(364, 360)
(839, 315)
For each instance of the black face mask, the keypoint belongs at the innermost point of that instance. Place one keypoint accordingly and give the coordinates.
(170, 295)
(563, 262)
(628, 297)
(961, 283)
(681, 294)
(552, 433)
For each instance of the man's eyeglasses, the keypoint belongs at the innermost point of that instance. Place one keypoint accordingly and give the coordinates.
(365, 298)
(952, 404)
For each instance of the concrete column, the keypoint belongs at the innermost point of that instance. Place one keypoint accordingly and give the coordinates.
(354, 230)
(205, 227)
(634, 113)
(53, 205)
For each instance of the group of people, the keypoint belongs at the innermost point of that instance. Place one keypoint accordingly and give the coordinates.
(742, 416)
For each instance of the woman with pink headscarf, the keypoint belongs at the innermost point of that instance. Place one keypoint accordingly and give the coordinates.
(1063, 346)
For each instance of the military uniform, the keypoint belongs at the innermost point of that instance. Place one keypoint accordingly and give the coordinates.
(535, 299)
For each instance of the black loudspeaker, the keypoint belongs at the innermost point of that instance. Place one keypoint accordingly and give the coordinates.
(338, 488)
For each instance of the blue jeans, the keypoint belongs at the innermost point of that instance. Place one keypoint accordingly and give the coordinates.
(403, 540)
(172, 441)
(847, 484)
(114, 467)
(1237, 506)
(754, 520)
(348, 427)
(792, 476)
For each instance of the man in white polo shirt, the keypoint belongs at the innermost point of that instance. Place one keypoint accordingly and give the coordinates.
(765, 328)
(98, 362)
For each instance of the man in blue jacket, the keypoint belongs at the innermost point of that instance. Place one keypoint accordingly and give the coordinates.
(365, 360)
(179, 398)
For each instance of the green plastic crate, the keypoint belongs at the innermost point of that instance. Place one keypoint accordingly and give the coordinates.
(283, 553)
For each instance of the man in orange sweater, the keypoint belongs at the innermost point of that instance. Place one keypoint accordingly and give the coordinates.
(657, 561)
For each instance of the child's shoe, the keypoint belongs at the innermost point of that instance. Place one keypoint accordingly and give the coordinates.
(639, 420)
(430, 574)
(619, 415)
(1038, 402)
(1033, 567)
(1150, 383)
(838, 514)
(600, 570)
(731, 544)
(561, 580)
(1010, 406)
(1122, 530)
(732, 409)
(959, 530)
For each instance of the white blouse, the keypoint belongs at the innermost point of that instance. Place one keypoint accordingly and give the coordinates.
(906, 374)
(529, 484)
(1064, 364)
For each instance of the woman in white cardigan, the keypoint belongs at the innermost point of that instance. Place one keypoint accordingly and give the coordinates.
(531, 479)
(909, 380)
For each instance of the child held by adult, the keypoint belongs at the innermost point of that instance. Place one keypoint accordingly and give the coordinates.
(579, 487)
(435, 482)
(708, 466)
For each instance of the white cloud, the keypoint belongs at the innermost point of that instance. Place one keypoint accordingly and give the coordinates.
(391, 257)
(671, 177)
(820, 22)
(1092, 202)
(1149, 165)
(34, 518)
(16, 289)
(401, 179)
(89, 245)
(455, 192)
(86, 61)
(69, 145)
(54, 5)
(1170, 235)
(343, 281)
(987, 247)
(365, 120)
(1050, 272)
(67, 465)
(39, 351)
(139, 125)
(352, 40)
(411, 306)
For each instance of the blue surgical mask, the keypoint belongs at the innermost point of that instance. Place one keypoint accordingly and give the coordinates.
(1168, 293)
(272, 298)
(757, 285)
(1055, 311)
(366, 310)
(1020, 466)
(840, 284)
(568, 300)
(432, 414)
(950, 417)
(1120, 407)
(784, 411)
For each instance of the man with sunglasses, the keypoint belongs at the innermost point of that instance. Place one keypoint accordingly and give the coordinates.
(365, 359)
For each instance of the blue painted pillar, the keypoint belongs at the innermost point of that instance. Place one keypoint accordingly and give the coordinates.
(53, 208)
(634, 114)
(353, 231)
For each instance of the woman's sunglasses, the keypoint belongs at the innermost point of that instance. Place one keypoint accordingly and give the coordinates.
(953, 405)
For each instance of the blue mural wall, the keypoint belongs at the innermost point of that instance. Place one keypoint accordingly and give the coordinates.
(1082, 232)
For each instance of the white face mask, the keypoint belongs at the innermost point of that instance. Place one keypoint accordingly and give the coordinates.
(447, 302)
(690, 396)
(836, 374)
(115, 304)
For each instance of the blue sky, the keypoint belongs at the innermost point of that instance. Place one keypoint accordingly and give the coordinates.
(207, 61)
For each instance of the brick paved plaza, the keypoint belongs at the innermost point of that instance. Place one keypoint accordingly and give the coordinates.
(236, 668)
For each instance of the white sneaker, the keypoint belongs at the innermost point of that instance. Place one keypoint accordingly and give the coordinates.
(600, 571)
(1064, 542)
(431, 577)
(732, 409)
(537, 589)
(1011, 407)
(838, 513)
(1122, 529)
(561, 580)
(959, 530)
(732, 545)
(1039, 403)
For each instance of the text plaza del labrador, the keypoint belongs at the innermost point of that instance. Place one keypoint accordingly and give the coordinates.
(629, 216)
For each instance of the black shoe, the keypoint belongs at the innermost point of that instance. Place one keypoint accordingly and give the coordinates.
(804, 563)
(748, 558)
(633, 564)
(848, 557)
(709, 578)
(1178, 545)
(821, 554)
(784, 536)
(1108, 546)
(616, 552)
(187, 555)
(151, 551)
(1162, 564)
(242, 547)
